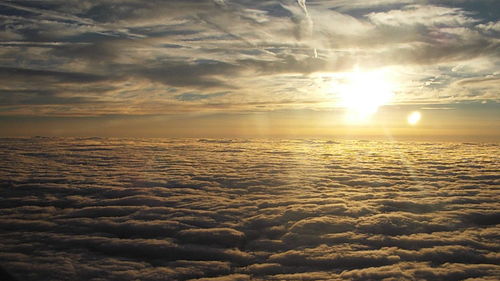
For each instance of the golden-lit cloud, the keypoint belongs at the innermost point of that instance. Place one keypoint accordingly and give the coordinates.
(248, 209)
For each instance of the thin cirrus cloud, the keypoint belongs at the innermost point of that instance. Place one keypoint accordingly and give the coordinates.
(120, 56)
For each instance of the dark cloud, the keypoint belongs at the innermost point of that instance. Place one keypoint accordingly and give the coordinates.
(199, 74)
(48, 76)
(99, 51)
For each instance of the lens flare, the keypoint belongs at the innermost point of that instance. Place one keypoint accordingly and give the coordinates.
(414, 117)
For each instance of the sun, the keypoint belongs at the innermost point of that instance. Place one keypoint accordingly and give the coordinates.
(414, 117)
(363, 92)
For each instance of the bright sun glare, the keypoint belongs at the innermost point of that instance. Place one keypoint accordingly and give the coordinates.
(362, 93)
(414, 117)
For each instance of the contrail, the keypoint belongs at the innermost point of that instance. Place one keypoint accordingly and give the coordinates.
(220, 2)
(302, 4)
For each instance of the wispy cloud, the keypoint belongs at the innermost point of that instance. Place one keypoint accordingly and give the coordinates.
(144, 50)
(195, 96)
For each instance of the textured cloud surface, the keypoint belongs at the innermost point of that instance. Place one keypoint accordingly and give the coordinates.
(139, 209)
(132, 57)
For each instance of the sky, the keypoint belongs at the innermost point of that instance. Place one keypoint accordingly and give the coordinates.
(229, 68)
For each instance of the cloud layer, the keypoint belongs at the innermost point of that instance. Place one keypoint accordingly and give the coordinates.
(87, 58)
(111, 209)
